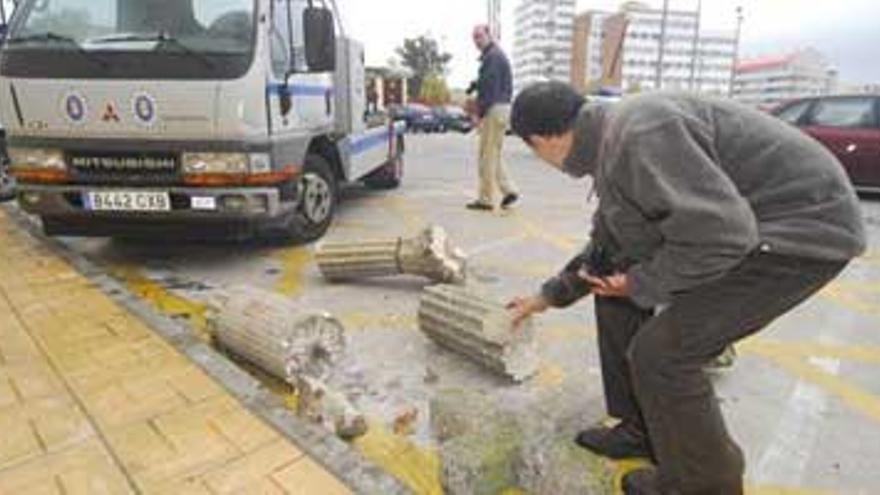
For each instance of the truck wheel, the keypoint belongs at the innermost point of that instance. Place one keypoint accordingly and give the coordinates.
(318, 198)
(390, 175)
(7, 183)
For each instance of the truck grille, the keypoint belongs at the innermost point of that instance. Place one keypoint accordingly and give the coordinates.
(131, 169)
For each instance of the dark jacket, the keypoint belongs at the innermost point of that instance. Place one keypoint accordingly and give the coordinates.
(689, 186)
(495, 83)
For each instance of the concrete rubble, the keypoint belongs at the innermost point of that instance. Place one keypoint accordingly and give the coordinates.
(430, 255)
(485, 449)
(480, 329)
(331, 409)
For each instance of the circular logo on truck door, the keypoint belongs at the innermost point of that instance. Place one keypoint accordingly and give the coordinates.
(75, 108)
(144, 108)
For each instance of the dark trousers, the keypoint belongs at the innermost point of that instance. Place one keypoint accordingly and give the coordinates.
(653, 365)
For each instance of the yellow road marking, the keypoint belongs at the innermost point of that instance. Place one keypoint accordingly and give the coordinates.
(360, 320)
(294, 262)
(851, 299)
(167, 303)
(418, 468)
(852, 395)
(864, 354)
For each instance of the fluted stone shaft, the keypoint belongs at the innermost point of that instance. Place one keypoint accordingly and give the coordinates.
(430, 254)
(274, 334)
(356, 260)
(479, 329)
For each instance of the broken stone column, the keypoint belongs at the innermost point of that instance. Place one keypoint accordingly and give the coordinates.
(479, 329)
(271, 332)
(430, 254)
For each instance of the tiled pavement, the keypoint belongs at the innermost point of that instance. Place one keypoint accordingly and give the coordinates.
(93, 402)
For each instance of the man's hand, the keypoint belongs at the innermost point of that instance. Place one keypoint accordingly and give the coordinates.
(523, 307)
(616, 285)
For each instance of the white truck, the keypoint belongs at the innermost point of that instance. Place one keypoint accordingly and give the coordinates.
(188, 118)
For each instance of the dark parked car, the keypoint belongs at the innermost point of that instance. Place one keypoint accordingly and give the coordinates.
(849, 126)
(419, 118)
(7, 183)
(453, 118)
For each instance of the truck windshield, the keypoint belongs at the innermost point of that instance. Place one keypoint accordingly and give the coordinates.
(131, 38)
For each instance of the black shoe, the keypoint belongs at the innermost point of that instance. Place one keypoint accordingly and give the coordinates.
(625, 440)
(478, 205)
(641, 482)
(509, 199)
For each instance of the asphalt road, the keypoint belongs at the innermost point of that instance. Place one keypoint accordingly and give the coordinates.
(803, 397)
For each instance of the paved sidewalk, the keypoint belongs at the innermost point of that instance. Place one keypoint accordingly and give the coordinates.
(92, 402)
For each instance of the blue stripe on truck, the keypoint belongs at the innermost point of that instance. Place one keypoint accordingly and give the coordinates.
(300, 89)
(371, 139)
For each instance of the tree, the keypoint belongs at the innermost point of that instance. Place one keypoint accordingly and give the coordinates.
(634, 88)
(423, 57)
(593, 86)
(434, 91)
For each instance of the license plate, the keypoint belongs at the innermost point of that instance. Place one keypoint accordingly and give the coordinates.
(127, 201)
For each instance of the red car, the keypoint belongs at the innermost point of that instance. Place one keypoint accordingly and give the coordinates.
(849, 126)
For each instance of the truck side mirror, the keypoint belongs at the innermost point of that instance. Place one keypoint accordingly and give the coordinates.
(320, 39)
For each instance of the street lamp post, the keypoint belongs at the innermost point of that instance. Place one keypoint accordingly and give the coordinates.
(739, 21)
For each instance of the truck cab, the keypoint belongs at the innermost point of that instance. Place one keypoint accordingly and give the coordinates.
(181, 118)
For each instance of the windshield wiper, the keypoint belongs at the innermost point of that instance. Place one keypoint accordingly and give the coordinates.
(50, 36)
(161, 38)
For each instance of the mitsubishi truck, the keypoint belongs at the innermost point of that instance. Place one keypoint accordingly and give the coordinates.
(188, 118)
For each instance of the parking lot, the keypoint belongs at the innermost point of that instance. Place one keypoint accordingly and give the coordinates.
(803, 398)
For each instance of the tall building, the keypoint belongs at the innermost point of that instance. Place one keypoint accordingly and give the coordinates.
(622, 49)
(542, 41)
(767, 81)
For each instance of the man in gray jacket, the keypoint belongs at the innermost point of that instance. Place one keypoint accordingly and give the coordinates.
(720, 215)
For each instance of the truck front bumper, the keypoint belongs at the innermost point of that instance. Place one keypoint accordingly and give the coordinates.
(237, 212)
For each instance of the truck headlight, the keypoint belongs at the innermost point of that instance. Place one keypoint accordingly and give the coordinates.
(36, 158)
(215, 163)
(226, 163)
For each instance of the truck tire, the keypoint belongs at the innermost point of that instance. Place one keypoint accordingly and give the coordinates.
(318, 199)
(390, 175)
(7, 183)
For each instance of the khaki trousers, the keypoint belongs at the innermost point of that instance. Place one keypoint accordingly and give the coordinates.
(493, 173)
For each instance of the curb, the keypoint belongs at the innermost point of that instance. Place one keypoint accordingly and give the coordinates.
(359, 474)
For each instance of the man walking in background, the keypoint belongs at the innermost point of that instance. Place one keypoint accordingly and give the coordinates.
(718, 216)
(494, 91)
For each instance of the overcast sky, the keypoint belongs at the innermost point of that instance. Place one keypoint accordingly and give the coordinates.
(847, 31)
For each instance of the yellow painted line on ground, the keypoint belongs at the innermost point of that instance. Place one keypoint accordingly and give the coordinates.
(409, 213)
(294, 262)
(535, 231)
(170, 304)
(850, 299)
(418, 468)
(853, 396)
(863, 354)
(361, 320)
(549, 376)
(780, 490)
